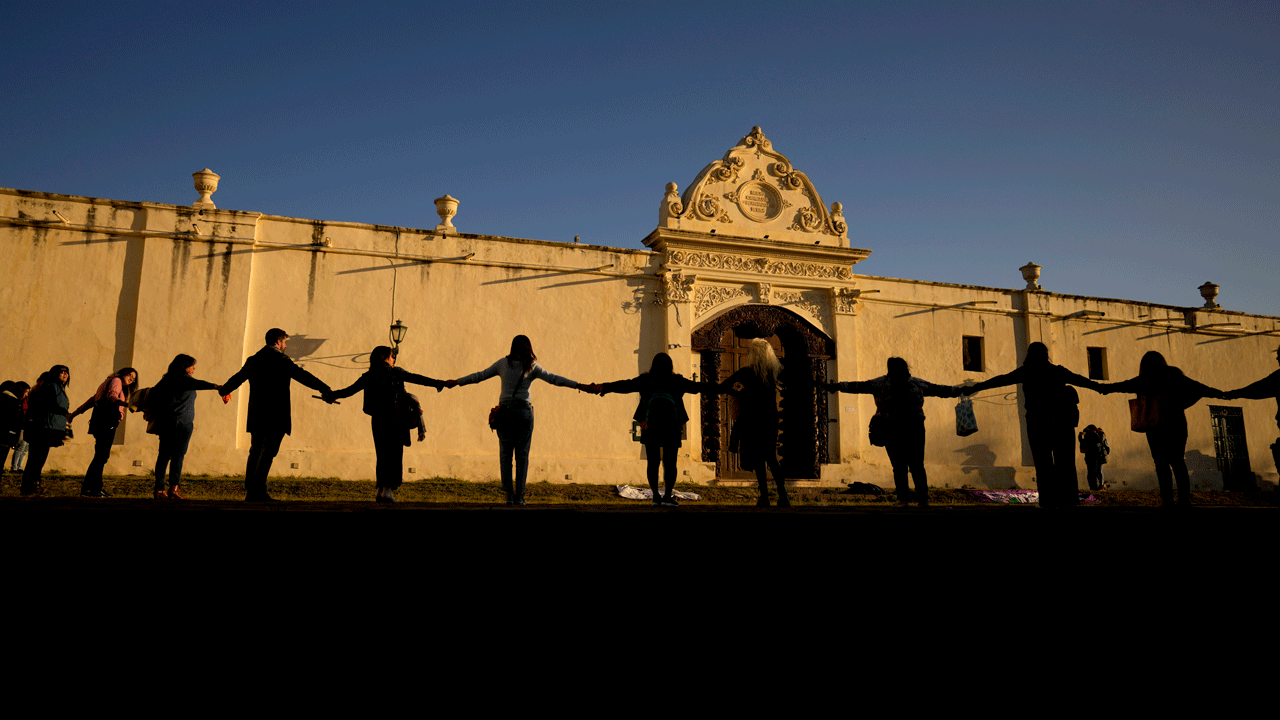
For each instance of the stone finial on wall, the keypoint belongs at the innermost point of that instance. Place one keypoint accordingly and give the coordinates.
(446, 208)
(206, 182)
(1209, 291)
(1031, 273)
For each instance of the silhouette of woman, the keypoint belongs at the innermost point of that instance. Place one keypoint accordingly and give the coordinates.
(1095, 448)
(662, 417)
(1052, 417)
(1166, 393)
(900, 405)
(171, 406)
(108, 404)
(514, 421)
(390, 413)
(756, 387)
(46, 423)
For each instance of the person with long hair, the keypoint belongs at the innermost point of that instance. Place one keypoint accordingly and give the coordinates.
(513, 417)
(171, 406)
(108, 402)
(900, 409)
(755, 432)
(1164, 393)
(1267, 387)
(11, 396)
(662, 417)
(390, 412)
(1095, 448)
(46, 423)
(1052, 416)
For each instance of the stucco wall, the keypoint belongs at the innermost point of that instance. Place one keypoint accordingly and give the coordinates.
(136, 283)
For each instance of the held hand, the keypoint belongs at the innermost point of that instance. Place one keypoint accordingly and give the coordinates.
(451, 383)
(226, 399)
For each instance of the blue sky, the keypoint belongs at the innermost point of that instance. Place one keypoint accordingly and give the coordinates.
(1129, 148)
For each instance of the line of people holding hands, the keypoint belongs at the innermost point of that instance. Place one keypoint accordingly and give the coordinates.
(43, 415)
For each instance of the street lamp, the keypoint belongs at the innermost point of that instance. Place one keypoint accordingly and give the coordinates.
(398, 332)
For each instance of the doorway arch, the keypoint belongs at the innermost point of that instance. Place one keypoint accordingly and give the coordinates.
(802, 412)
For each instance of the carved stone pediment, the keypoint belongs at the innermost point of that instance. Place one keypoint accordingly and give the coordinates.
(755, 192)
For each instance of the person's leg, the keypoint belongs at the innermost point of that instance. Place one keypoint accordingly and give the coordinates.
(1177, 453)
(20, 454)
(524, 440)
(388, 442)
(37, 455)
(263, 448)
(669, 455)
(653, 459)
(897, 449)
(4, 455)
(92, 483)
(180, 440)
(1064, 461)
(506, 452)
(1164, 476)
(915, 463)
(1038, 437)
(162, 463)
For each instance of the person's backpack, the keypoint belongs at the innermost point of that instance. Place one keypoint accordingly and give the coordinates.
(660, 412)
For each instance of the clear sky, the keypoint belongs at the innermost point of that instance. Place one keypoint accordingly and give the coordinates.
(1129, 148)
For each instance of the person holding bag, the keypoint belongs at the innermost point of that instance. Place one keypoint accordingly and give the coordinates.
(391, 414)
(108, 403)
(1160, 410)
(171, 404)
(46, 423)
(662, 418)
(900, 408)
(513, 417)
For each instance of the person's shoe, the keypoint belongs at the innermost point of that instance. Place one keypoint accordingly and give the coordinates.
(924, 504)
(784, 501)
(104, 493)
(762, 502)
(904, 504)
(174, 494)
(92, 494)
(391, 495)
(520, 500)
(161, 495)
(657, 501)
(669, 502)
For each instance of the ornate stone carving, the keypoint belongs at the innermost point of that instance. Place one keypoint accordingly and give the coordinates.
(672, 200)
(676, 287)
(813, 306)
(844, 301)
(807, 220)
(756, 139)
(206, 182)
(446, 208)
(718, 261)
(763, 291)
(728, 172)
(708, 297)
(708, 208)
(837, 219)
(759, 202)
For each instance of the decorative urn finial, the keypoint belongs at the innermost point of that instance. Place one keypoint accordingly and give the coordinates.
(206, 184)
(1031, 273)
(1209, 291)
(446, 208)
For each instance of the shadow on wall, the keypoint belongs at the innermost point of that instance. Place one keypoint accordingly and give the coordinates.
(979, 459)
(1204, 471)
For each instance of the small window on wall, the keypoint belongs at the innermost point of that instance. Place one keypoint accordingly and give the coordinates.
(1097, 363)
(972, 354)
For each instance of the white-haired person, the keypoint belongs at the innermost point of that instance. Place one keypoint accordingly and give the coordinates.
(756, 429)
(513, 417)
(900, 421)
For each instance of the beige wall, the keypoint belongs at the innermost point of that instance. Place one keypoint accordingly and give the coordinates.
(136, 283)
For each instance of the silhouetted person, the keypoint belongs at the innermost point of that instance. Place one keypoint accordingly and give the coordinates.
(1052, 416)
(1267, 387)
(171, 405)
(757, 424)
(46, 423)
(900, 404)
(11, 396)
(108, 403)
(662, 418)
(1167, 393)
(1095, 448)
(390, 413)
(269, 372)
(514, 420)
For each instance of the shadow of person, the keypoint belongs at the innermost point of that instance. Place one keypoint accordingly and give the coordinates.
(981, 460)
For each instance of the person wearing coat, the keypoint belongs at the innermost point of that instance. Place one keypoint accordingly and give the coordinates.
(1165, 393)
(108, 404)
(662, 417)
(900, 406)
(269, 373)
(46, 423)
(1052, 417)
(755, 432)
(385, 402)
(1267, 387)
(171, 405)
(11, 396)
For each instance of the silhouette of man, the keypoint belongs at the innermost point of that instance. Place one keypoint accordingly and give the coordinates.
(270, 418)
(1267, 387)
